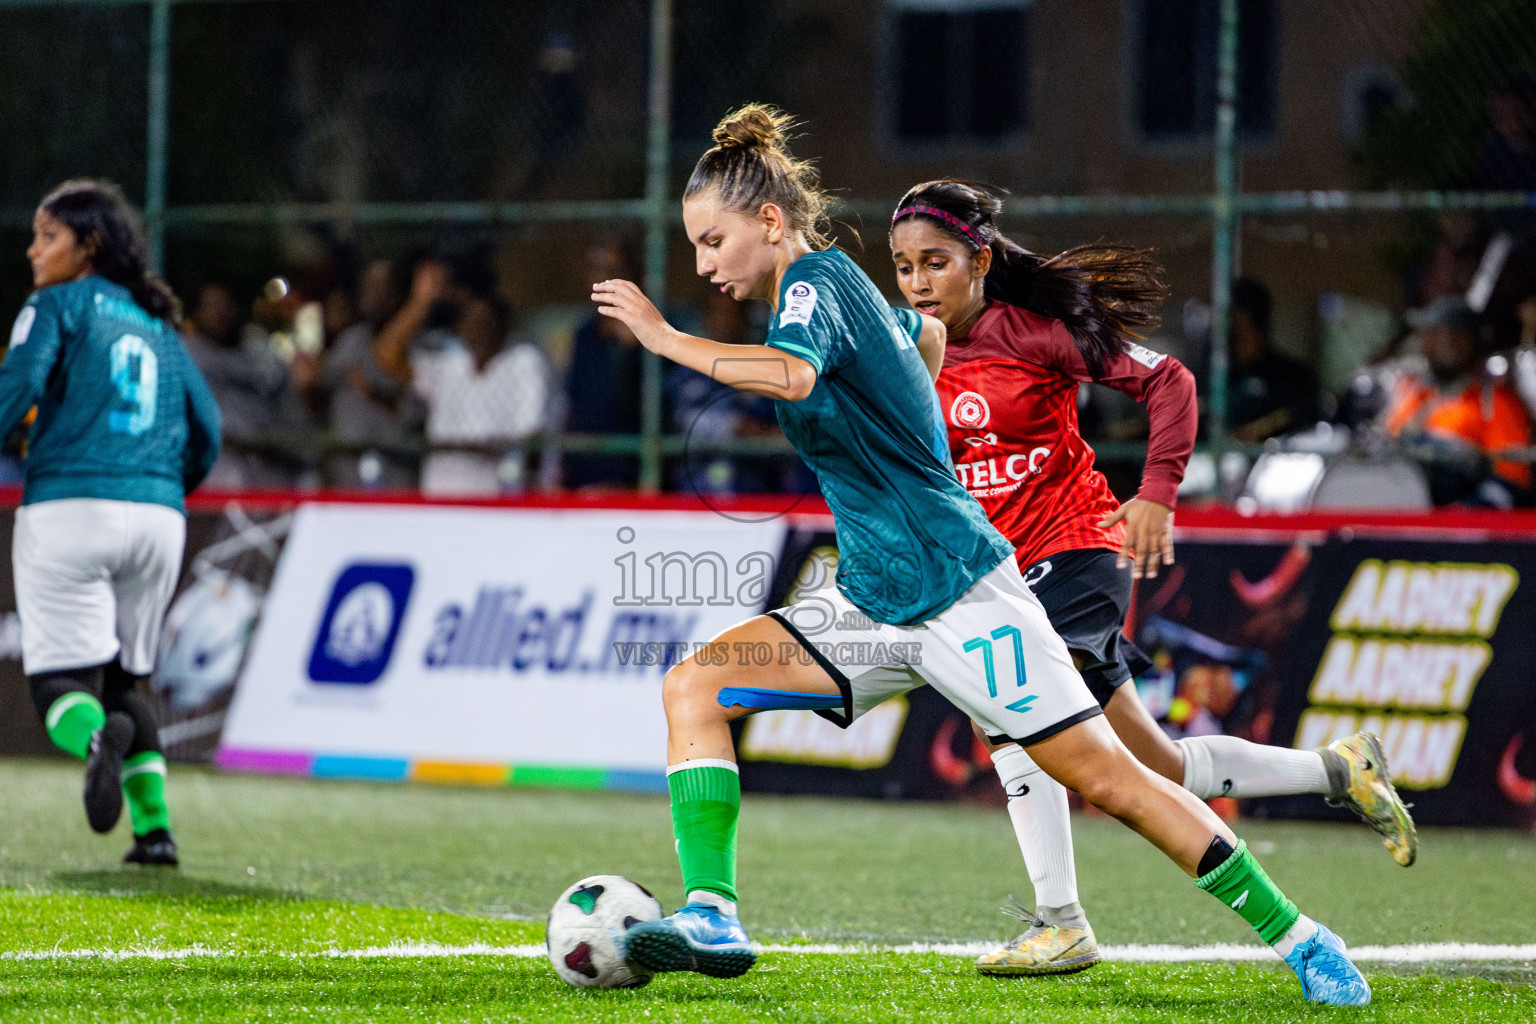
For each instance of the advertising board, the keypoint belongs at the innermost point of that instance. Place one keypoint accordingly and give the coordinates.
(1426, 642)
(1289, 636)
(456, 643)
(232, 547)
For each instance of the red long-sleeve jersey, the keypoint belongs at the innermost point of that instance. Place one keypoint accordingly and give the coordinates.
(1008, 391)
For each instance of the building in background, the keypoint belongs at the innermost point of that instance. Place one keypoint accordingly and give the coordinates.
(393, 101)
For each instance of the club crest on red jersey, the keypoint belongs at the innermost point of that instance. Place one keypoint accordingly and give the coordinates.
(970, 411)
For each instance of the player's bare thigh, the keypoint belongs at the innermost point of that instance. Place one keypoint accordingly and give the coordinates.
(1135, 726)
(697, 725)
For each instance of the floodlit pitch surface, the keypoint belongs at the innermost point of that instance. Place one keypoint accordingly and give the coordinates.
(302, 901)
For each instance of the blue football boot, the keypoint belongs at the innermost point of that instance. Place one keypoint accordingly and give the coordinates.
(1326, 973)
(699, 937)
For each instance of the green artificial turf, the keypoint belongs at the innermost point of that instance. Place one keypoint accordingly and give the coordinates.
(279, 874)
(783, 987)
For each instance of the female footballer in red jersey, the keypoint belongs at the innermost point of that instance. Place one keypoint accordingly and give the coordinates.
(1024, 331)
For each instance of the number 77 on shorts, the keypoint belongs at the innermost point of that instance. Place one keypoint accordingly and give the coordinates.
(989, 661)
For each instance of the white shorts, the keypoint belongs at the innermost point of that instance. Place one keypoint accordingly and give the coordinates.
(992, 653)
(93, 578)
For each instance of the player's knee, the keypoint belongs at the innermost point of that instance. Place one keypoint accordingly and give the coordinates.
(1110, 793)
(673, 685)
(120, 692)
(688, 686)
(1097, 792)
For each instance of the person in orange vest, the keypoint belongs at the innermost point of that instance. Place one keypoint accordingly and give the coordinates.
(1463, 414)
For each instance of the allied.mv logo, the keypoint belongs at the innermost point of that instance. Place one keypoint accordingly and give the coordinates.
(970, 411)
(361, 623)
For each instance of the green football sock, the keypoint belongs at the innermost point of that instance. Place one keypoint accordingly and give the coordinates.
(144, 786)
(706, 801)
(72, 720)
(1241, 884)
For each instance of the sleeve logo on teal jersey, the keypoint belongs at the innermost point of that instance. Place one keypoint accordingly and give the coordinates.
(799, 304)
(23, 326)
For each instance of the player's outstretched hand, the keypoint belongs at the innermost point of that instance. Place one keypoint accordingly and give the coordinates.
(625, 302)
(1148, 536)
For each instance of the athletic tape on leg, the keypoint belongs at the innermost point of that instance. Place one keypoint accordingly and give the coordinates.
(777, 700)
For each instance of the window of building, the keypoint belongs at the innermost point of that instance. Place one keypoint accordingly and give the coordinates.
(1370, 91)
(959, 70)
(1176, 57)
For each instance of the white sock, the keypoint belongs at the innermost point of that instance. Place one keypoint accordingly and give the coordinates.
(1037, 804)
(1300, 932)
(1227, 766)
(713, 899)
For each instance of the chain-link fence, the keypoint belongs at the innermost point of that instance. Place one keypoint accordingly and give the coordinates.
(1355, 159)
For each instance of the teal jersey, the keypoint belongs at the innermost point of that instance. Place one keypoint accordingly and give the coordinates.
(911, 540)
(122, 412)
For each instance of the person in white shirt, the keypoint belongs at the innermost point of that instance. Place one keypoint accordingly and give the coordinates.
(484, 397)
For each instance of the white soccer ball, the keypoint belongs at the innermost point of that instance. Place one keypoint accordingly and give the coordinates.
(585, 933)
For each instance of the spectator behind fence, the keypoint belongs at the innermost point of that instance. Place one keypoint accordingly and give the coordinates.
(1462, 415)
(338, 311)
(602, 386)
(375, 420)
(263, 413)
(483, 396)
(1506, 160)
(1267, 393)
(1507, 163)
(1523, 358)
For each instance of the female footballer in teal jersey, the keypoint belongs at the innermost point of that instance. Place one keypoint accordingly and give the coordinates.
(1023, 331)
(936, 581)
(126, 426)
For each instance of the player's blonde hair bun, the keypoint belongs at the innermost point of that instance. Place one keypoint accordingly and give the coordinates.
(754, 126)
(750, 165)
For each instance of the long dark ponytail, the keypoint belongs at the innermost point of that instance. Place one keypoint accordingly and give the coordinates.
(107, 224)
(1103, 292)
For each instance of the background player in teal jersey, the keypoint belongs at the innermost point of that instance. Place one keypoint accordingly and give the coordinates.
(125, 427)
(927, 591)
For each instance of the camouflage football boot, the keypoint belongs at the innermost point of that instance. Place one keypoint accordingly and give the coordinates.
(1368, 792)
(1043, 949)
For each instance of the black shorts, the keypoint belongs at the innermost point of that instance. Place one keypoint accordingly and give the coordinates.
(1086, 598)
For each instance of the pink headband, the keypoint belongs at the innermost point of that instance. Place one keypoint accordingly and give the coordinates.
(943, 215)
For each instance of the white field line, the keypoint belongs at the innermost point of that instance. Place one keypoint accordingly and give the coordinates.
(1429, 952)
